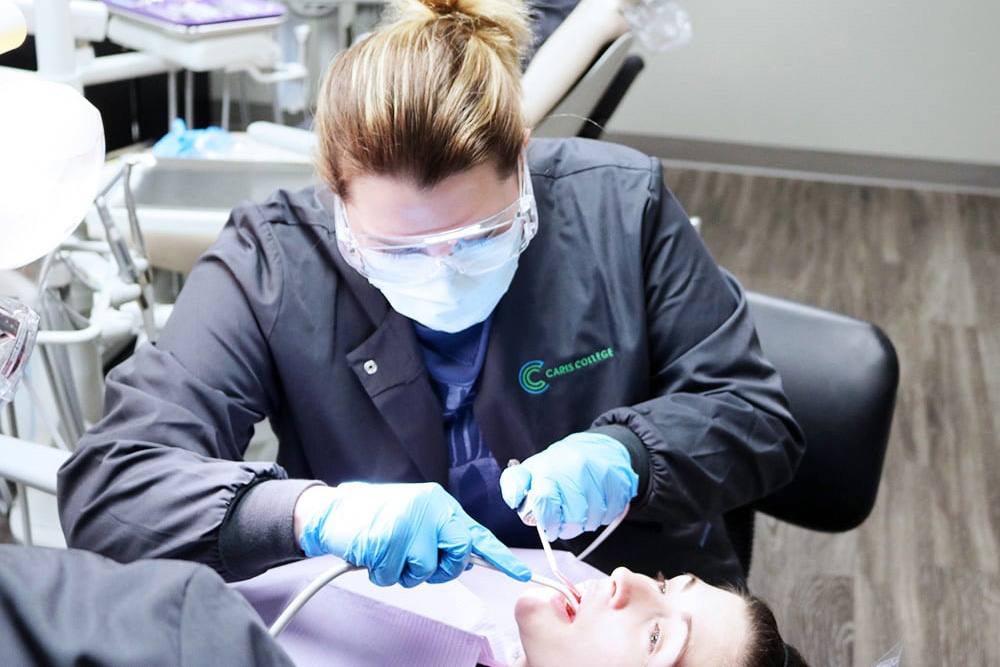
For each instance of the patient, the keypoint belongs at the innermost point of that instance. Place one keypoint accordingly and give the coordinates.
(484, 618)
(630, 619)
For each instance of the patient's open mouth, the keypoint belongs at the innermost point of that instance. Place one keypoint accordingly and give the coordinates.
(563, 607)
(570, 610)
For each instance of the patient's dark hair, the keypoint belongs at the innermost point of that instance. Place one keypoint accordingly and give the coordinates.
(765, 647)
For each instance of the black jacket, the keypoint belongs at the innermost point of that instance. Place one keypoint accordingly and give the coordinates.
(273, 324)
(60, 607)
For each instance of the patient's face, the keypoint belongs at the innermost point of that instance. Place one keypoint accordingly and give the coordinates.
(630, 619)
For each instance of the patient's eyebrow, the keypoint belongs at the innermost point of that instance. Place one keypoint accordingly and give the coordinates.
(687, 641)
(692, 580)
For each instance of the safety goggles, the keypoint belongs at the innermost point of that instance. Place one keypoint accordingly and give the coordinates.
(18, 326)
(471, 249)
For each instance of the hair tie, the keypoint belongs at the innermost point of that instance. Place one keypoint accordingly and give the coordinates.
(785, 664)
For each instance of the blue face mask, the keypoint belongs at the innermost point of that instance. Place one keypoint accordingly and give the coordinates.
(451, 301)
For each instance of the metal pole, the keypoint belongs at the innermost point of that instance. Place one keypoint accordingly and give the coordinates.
(21, 489)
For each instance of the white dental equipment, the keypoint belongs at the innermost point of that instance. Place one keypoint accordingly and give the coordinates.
(53, 149)
(184, 203)
(64, 30)
(46, 191)
(129, 270)
(574, 598)
(51, 165)
(567, 590)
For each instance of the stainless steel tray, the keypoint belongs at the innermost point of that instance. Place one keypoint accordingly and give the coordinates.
(174, 183)
(183, 204)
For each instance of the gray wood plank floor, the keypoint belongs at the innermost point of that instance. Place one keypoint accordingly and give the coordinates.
(924, 570)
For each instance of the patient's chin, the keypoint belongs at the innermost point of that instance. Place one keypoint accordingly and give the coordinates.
(536, 619)
(534, 602)
(542, 607)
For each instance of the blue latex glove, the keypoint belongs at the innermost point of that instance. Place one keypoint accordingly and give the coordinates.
(404, 533)
(579, 483)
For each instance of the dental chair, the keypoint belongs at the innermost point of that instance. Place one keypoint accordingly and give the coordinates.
(586, 107)
(581, 72)
(612, 96)
(840, 375)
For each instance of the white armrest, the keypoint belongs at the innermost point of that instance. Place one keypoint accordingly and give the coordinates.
(30, 463)
(567, 53)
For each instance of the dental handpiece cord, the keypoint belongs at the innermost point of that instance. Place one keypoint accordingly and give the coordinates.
(610, 528)
(314, 586)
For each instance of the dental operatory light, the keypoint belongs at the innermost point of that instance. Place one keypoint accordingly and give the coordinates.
(50, 164)
(13, 27)
(51, 153)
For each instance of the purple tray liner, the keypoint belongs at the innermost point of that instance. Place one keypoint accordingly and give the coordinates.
(200, 12)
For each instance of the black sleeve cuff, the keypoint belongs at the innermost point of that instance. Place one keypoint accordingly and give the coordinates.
(259, 529)
(636, 450)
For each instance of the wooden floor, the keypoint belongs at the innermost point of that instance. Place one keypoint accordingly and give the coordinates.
(925, 266)
(924, 570)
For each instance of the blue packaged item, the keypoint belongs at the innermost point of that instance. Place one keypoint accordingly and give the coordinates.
(182, 142)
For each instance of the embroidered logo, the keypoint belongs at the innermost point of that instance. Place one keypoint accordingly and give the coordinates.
(531, 374)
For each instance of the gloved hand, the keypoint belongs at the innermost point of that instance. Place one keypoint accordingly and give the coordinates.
(403, 533)
(579, 483)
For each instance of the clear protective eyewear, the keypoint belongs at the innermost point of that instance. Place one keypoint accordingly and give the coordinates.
(469, 250)
(18, 326)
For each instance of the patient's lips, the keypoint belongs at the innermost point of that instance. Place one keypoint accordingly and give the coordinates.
(564, 610)
(587, 591)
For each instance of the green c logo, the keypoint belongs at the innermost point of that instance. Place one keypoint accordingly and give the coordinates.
(530, 384)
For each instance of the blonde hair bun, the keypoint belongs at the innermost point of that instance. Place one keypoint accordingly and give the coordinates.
(503, 23)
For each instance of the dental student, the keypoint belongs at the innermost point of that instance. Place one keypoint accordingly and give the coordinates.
(451, 298)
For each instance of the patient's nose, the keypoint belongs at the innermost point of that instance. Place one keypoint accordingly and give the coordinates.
(626, 587)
